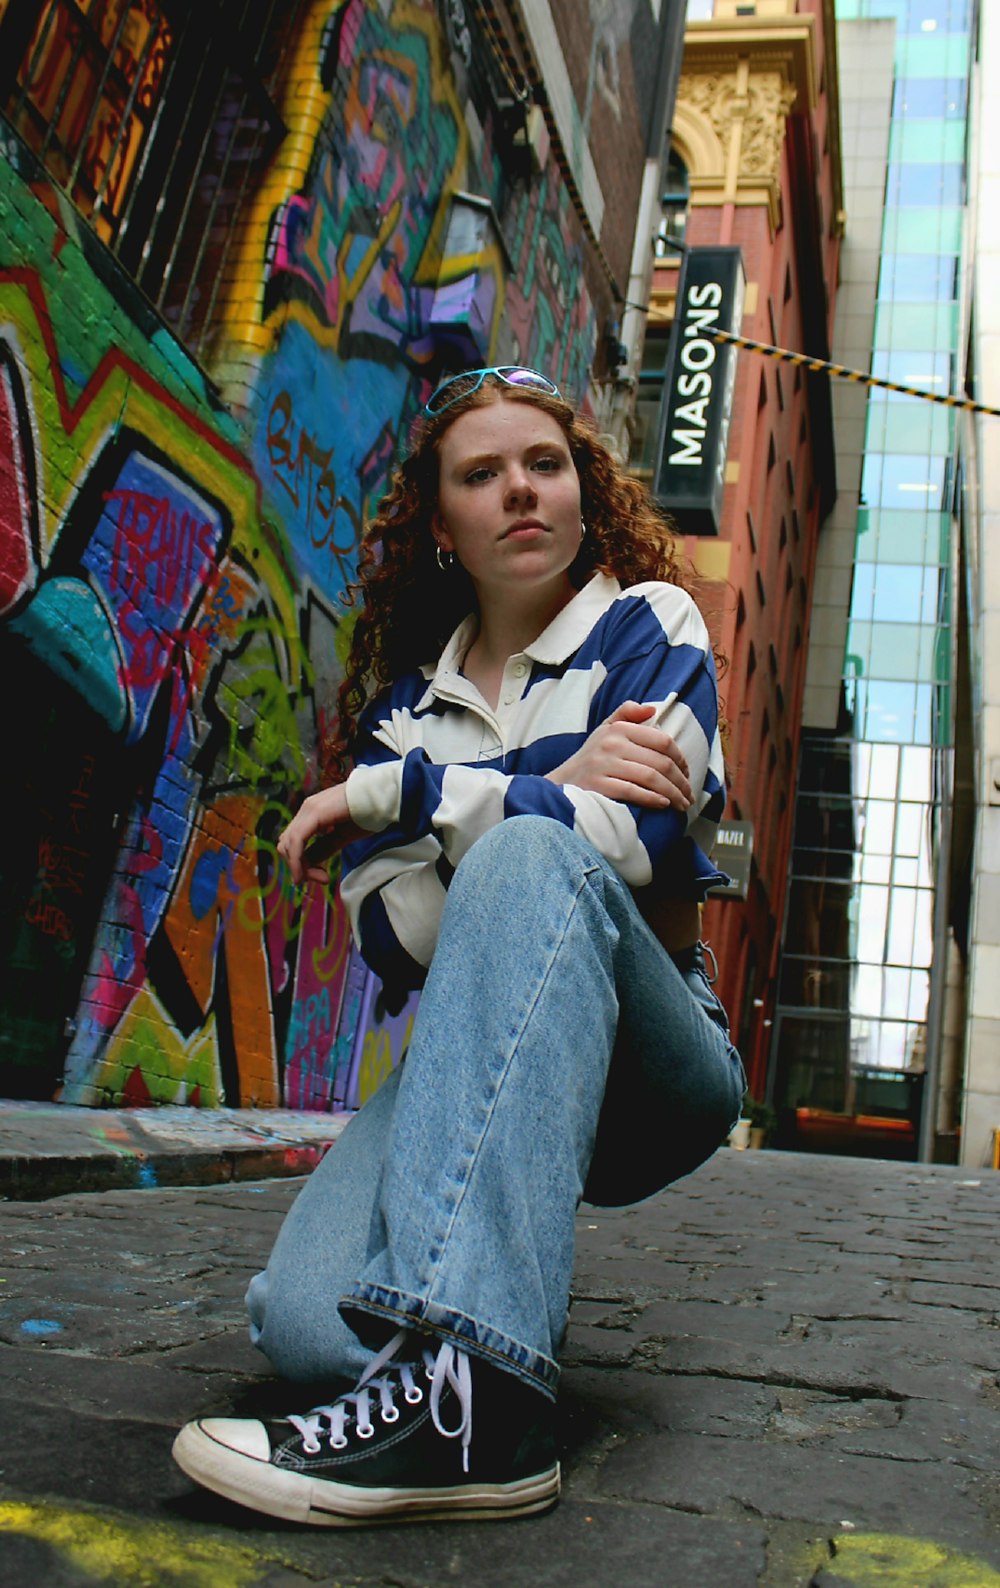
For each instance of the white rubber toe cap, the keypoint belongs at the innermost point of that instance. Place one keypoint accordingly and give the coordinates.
(240, 1434)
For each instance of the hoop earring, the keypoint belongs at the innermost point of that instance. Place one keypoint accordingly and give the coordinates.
(445, 559)
(583, 531)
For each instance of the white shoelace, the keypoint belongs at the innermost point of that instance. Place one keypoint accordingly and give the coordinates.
(448, 1366)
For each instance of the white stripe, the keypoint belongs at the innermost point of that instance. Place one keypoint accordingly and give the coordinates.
(462, 819)
(381, 868)
(556, 705)
(414, 903)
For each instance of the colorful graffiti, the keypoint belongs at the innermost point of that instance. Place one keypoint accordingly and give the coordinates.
(550, 316)
(165, 602)
(99, 116)
(171, 574)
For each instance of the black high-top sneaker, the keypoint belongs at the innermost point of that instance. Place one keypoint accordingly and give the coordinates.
(399, 1447)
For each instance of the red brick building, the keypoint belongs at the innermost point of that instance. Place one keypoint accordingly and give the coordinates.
(756, 165)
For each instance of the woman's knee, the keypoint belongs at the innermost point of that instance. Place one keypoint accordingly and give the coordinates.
(526, 846)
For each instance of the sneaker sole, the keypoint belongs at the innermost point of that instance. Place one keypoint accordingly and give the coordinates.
(322, 1502)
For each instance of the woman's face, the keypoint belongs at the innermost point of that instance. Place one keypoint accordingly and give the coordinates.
(509, 501)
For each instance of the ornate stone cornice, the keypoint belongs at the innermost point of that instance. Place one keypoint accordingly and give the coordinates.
(739, 83)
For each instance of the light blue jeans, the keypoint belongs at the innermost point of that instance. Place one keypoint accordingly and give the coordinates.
(558, 1053)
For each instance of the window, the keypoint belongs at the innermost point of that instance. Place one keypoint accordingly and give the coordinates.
(156, 117)
(645, 428)
(85, 91)
(894, 479)
(931, 184)
(930, 96)
(928, 371)
(915, 278)
(674, 205)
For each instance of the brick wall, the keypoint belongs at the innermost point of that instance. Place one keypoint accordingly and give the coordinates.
(174, 539)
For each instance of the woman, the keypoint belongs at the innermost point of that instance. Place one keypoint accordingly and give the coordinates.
(540, 773)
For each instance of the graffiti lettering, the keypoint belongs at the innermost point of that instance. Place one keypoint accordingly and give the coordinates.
(302, 469)
(50, 920)
(310, 1019)
(186, 563)
(64, 866)
(152, 537)
(80, 797)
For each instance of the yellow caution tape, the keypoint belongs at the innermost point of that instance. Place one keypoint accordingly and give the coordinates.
(843, 373)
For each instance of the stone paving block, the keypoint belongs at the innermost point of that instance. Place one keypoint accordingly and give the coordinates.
(749, 1355)
(625, 1401)
(734, 1477)
(803, 1364)
(914, 1345)
(712, 1320)
(956, 1295)
(926, 1431)
(579, 1545)
(154, 1391)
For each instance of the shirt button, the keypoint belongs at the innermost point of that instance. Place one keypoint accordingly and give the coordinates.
(519, 669)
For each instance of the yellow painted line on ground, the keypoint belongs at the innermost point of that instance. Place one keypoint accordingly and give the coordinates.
(123, 1552)
(885, 1560)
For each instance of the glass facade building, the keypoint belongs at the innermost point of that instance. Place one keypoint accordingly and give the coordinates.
(856, 998)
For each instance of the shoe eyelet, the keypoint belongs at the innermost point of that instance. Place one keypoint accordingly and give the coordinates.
(413, 1396)
(312, 1449)
(338, 1444)
(365, 1430)
(391, 1414)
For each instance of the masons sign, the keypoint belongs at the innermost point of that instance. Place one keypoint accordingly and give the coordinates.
(698, 390)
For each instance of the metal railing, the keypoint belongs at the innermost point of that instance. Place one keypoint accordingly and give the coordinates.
(157, 118)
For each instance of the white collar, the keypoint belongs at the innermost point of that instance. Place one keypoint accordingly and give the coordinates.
(556, 643)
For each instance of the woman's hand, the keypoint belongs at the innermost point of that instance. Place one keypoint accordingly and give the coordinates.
(319, 831)
(628, 760)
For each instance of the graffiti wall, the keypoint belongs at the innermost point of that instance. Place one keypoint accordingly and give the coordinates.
(172, 566)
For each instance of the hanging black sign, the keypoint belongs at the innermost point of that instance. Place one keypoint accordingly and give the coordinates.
(698, 390)
(732, 853)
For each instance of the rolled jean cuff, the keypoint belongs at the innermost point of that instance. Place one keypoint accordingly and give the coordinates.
(478, 1339)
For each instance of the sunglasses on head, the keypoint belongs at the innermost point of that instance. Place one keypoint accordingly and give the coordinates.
(456, 387)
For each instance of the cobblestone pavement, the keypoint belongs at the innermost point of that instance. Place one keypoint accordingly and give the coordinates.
(783, 1371)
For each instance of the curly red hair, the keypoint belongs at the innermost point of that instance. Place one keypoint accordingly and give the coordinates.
(409, 608)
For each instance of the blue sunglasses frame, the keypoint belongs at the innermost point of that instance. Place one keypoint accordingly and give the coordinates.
(519, 376)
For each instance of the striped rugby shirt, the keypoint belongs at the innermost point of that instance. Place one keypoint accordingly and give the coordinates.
(435, 767)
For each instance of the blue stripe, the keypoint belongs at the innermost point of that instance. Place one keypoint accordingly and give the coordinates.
(383, 953)
(536, 796)
(545, 672)
(543, 755)
(421, 793)
(630, 651)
